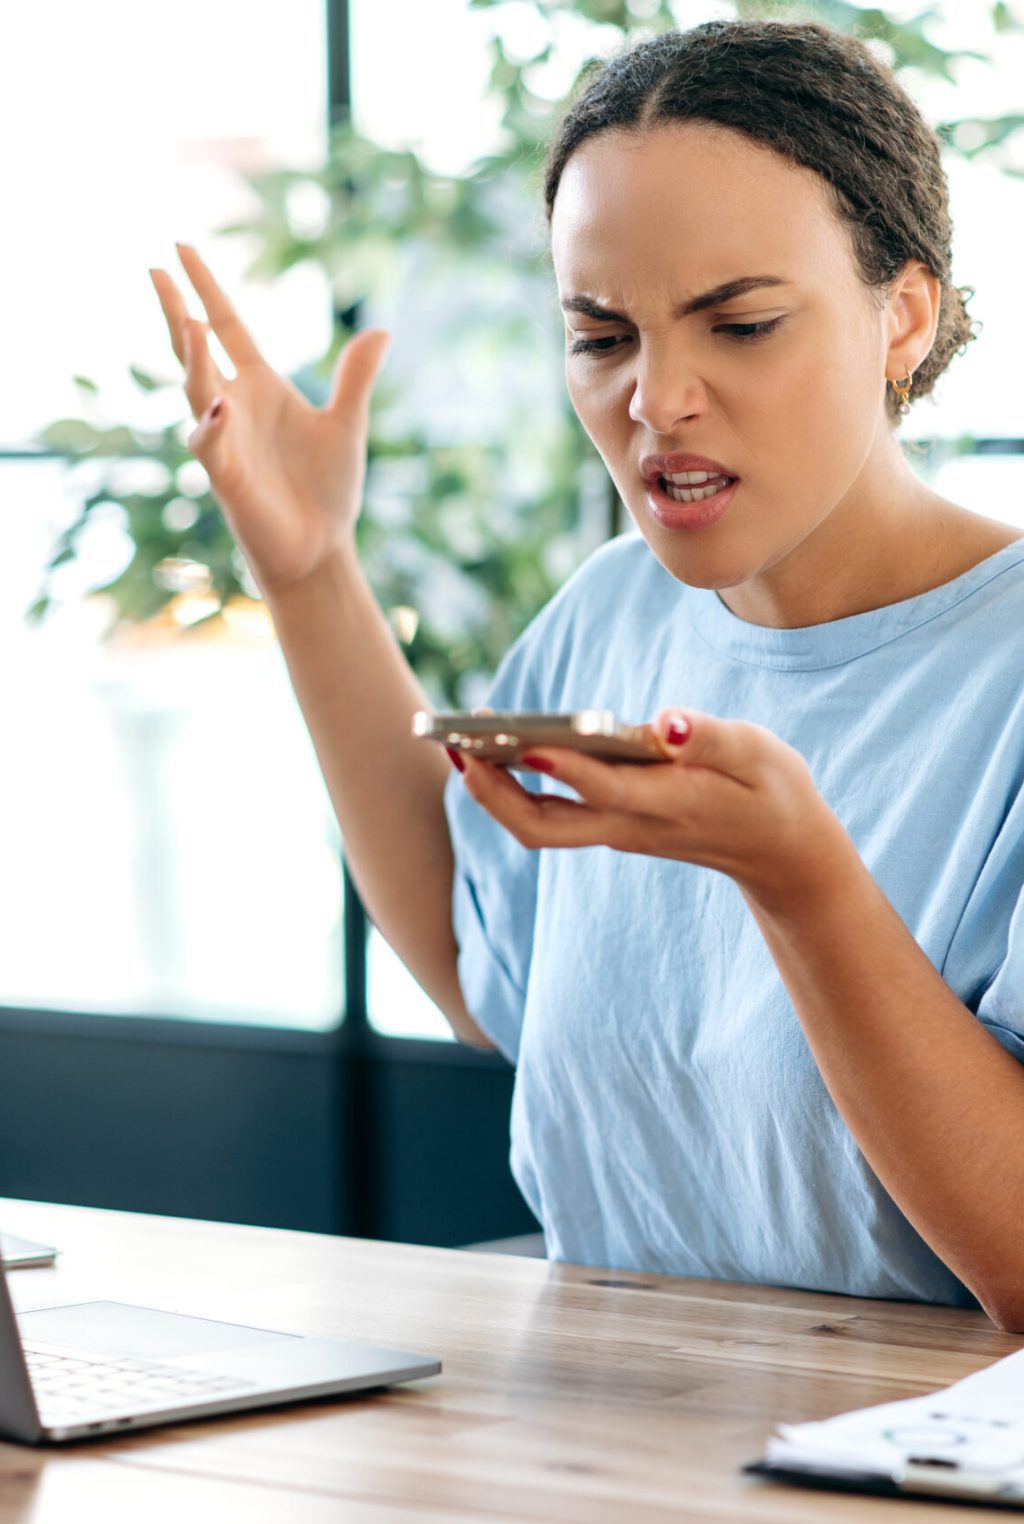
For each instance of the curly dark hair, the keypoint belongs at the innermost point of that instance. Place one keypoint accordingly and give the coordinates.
(819, 98)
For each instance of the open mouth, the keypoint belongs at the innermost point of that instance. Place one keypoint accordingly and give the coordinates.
(694, 486)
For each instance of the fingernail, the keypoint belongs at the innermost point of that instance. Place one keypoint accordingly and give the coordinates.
(215, 409)
(456, 760)
(539, 764)
(678, 730)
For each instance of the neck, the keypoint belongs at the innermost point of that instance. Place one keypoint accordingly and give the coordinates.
(889, 538)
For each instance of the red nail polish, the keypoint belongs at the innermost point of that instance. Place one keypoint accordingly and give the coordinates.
(677, 732)
(539, 764)
(456, 760)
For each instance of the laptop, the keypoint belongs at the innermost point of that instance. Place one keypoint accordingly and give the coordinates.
(69, 1373)
(15, 1252)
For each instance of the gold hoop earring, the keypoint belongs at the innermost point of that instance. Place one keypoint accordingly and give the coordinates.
(902, 390)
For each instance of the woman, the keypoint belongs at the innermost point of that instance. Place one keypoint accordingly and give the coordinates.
(804, 1065)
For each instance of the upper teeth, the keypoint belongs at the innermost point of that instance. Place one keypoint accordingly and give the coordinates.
(692, 478)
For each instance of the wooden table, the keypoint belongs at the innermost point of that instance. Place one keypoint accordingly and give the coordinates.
(568, 1393)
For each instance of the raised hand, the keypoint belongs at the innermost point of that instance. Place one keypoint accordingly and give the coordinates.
(288, 476)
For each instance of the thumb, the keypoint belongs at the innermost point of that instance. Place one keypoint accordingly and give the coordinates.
(674, 729)
(733, 747)
(356, 371)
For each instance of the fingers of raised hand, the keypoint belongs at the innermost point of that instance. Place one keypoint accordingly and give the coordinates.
(356, 371)
(207, 442)
(203, 378)
(224, 320)
(174, 309)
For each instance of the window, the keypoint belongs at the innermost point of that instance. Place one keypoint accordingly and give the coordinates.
(168, 846)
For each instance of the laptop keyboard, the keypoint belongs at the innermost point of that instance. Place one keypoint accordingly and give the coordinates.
(70, 1388)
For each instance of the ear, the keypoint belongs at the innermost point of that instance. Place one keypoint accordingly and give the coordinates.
(912, 316)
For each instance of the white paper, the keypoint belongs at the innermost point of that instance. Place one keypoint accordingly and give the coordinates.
(966, 1435)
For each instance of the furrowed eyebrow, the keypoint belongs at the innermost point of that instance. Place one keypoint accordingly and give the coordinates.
(713, 298)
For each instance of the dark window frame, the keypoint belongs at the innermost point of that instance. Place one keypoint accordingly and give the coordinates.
(349, 1130)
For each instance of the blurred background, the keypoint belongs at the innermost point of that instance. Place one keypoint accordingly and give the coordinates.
(194, 1016)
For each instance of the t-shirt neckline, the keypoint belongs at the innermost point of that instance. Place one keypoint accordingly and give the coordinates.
(839, 640)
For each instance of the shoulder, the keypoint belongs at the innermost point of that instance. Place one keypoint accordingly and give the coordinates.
(620, 584)
(624, 570)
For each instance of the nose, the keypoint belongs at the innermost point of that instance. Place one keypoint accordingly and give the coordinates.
(667, 391)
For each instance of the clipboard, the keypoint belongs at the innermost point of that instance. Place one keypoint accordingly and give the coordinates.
(915, 1483)
(964, 1444)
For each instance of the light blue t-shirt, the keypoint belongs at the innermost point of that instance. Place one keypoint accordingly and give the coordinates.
(668, 1114)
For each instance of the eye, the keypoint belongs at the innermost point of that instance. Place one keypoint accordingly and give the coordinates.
(749, 332)
(742, 333)
(594, 346)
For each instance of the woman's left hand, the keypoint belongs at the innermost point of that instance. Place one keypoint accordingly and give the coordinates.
(729, 795)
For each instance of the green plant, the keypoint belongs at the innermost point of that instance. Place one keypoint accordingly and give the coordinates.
(464, 540)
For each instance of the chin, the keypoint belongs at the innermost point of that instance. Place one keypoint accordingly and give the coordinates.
(699, 565)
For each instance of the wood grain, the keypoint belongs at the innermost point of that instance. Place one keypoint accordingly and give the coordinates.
(568, 1393)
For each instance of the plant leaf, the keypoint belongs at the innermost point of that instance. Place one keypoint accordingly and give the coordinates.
(143, 379)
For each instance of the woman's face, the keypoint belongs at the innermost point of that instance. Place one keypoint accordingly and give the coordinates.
(779, 385)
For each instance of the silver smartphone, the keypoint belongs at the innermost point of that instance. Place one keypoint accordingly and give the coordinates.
(504, 737)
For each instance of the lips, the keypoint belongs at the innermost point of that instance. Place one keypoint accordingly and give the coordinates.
(688, 513)
(654, 467)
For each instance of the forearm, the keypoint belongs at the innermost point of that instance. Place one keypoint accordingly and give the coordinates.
(358, 694)
(934, 1102)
